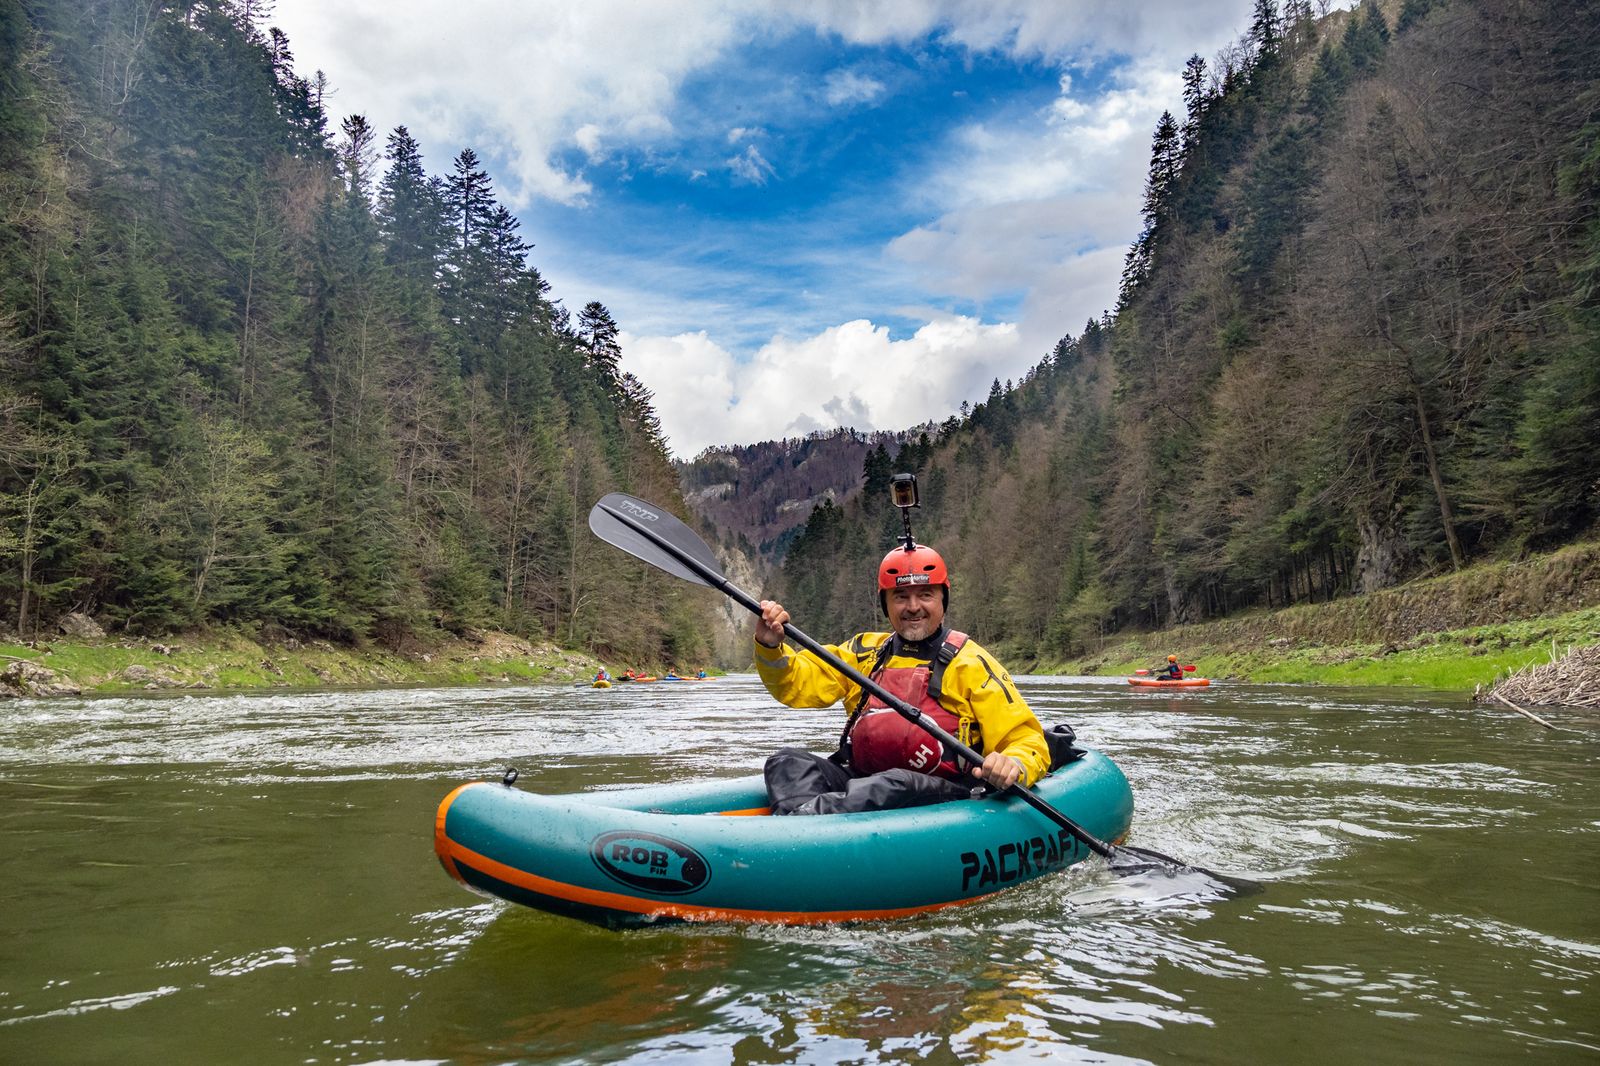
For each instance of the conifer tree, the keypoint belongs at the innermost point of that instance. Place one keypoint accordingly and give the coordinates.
(1166, 160)
(1366, 35)
(469, 268)
(1264, 34)
(1195, 97)
(410, 213)
(1326, 84)
(597, 332)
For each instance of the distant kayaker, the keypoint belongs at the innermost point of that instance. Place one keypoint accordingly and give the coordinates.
(601, 675)
(1168, 671)
(885, 761)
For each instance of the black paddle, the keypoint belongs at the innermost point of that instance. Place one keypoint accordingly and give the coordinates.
(652, 534)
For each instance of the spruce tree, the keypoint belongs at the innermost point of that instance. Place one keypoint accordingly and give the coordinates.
(597, 332)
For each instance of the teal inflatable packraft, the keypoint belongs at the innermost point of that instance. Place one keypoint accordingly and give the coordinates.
(710, 851)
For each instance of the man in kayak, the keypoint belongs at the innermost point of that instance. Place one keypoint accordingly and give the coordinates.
(885, 761)
(1171, 671)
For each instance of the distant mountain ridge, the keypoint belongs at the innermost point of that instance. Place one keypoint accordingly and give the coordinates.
(756, 496)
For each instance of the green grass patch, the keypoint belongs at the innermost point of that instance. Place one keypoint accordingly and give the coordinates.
(1455, 660)
(228, 661)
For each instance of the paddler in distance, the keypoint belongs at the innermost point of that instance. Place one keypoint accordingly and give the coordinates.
(885, 761)
(1168, 671)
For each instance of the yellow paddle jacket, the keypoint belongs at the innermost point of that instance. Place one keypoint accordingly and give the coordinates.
(976, 689)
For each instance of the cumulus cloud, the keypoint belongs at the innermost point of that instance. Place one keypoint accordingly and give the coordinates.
(528, 80)
(852, 374)
(588, 138)
(1042, 211)
(536, 79)
(1083, 141)
(1031, 214)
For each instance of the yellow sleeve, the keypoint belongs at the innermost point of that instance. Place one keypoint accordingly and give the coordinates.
(1005, 721)
(797, 678)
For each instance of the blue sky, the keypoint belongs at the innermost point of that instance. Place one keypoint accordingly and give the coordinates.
(801, 215)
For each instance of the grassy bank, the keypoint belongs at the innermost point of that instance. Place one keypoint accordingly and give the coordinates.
(1455, 631)
(232, 661)
(1452, 659)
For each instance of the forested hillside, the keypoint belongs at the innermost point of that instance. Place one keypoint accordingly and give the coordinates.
(1358, 341)
(757, 496)
(262, 373)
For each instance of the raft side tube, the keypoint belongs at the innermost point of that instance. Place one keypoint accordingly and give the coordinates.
(635, 856)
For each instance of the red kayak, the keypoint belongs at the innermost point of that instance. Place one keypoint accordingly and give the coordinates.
(1188, 682)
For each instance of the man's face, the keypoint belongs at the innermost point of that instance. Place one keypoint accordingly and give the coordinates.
(916, 611)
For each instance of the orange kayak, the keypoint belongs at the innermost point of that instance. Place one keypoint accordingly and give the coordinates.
(1188, 682)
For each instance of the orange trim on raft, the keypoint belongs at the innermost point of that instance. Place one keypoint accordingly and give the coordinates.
(441, 843)
(653, 908)
(748, 811)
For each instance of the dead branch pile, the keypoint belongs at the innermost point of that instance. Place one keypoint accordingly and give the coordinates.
(1573, 680)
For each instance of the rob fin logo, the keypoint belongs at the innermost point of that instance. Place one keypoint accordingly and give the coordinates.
(650, 863)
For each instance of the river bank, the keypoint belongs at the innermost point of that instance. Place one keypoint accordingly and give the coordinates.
(232, 661)
(1459, 659)
(1455, 631)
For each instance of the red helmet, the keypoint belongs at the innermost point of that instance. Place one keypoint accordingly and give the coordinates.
(920, 565)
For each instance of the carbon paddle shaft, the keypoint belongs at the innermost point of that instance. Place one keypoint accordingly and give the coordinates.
(745, 600)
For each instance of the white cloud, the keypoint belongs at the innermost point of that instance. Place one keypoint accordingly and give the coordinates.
(1051, 29)
(750, 165)
(588, 138)
(1045, 208)
(535, 79)
(1033, 215)
(1079, 143)
(848, 87)
(528, 79)
(851, 374)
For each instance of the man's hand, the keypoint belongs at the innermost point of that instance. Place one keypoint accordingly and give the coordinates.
(769, 628)
(999, 771)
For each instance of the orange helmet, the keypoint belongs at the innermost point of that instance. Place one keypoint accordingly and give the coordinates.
(920, 565)
(1172, 658)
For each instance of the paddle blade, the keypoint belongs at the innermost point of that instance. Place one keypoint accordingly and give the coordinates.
(648, 532)
(1141, 671)
(1189, 669)
(1125, 861)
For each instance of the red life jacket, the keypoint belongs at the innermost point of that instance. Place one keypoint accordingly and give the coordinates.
(879, 738)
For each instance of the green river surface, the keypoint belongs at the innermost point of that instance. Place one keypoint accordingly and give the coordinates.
(250, 878)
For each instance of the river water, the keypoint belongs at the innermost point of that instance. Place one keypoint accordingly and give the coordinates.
(250, 878)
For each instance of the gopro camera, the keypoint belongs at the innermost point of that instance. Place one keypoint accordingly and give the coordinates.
(903, 490)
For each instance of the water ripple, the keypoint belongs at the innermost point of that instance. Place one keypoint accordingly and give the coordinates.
(260, 864)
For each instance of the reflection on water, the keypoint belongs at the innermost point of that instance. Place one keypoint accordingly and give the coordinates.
(197, 876)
